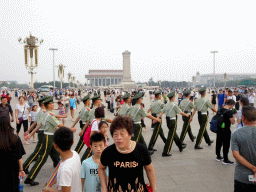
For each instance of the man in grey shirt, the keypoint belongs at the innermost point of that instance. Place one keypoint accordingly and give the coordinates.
(243, 145)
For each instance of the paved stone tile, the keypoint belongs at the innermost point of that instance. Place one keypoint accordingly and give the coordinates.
(189, 171)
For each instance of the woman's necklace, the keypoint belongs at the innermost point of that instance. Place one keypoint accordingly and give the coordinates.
(124, 150)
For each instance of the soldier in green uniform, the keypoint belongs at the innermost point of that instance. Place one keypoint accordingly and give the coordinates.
(171, 110)
(83, 116)
(50, 123)
(201, 105)
(155, 108)
(40, 135)
(124, 109)
(136, 113)
(96, 103)
(186, 106)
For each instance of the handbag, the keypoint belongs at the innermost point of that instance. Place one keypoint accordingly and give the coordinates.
(21, 118)
(149, 188)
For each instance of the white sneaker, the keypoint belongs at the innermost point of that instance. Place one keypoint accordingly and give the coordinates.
(227, 162)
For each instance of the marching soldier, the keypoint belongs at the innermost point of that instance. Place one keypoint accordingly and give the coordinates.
(155, 109)
(186, 106)
(50, 123)
(171, 110)
(83, 116)
(124, 109)
(40, 135)
(96, 103)
(201, 105)
(136, 113)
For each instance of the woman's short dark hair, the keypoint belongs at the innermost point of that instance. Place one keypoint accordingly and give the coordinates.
(97, 137)
(3, 98)
(230, 102)
(245, 101)
(63, 138)
(249, 113)
(21, 96)
(99, 112)
(102, 123)
(121, 123)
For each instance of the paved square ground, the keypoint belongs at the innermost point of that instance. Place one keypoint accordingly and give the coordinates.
(189, 171)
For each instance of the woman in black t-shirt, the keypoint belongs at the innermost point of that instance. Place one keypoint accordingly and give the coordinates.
(224, 133)
(11, 150)
(213, 99)
(125, 160)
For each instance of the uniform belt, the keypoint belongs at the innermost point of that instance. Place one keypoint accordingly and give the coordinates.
(205, 113)
(171, 118)
(40, 129)
(138, 122)
(48, 133)
(83, 122)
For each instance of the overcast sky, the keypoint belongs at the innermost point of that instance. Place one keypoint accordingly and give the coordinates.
(168, 40)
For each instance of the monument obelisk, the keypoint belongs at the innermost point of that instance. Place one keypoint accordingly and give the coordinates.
(127, 80)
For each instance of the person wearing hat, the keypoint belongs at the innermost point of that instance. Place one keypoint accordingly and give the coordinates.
(201, 105)
(171, 110)
(83, 116)
(96, 100)
(49, 123)
(40, 135)
(186, 106)
(155, 108)
(136, 113)
(124, 109)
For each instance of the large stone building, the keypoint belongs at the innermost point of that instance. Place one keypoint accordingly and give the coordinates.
(113, 78)
(207, 79)
(102, 78)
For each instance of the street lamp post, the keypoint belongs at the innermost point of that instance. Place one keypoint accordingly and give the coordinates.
(61, 73)
(31, 48)
(214, 66)
(53, 49)
(69, 78)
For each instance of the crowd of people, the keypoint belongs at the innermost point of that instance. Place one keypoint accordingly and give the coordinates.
(119, 167)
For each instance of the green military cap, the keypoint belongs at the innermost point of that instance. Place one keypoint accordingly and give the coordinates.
(48, 100)
(138, 95)
(171, 94)
(126, 96)
(202, 90)
(187, 92)
(42, 99)
(85, 98)
(158, 92)
(95, 97)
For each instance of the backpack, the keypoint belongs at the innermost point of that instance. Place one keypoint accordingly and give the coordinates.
(217, 121)
(87, 135)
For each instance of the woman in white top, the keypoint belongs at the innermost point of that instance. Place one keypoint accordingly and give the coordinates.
(32, 118)
(21, 113)
(66, 101)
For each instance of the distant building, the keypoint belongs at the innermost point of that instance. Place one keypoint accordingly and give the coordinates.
(207, 79)
(113, 78)
(99, 78)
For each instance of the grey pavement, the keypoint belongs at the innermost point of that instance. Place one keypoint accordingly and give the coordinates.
(188, 171)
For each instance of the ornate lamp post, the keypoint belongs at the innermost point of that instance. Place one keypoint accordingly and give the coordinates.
(61, 73)
(73, 81)
(30, 48)
(69, 78)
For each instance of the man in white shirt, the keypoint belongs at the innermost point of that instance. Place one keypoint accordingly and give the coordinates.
(69, 173)
(251, 97)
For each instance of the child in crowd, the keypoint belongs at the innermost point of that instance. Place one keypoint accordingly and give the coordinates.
(32, 117)
(62, 110)
(69, 173)
(89, 174)
(103, 129)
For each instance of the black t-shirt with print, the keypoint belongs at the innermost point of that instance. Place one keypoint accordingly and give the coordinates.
(226, 117)
(126, 170)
